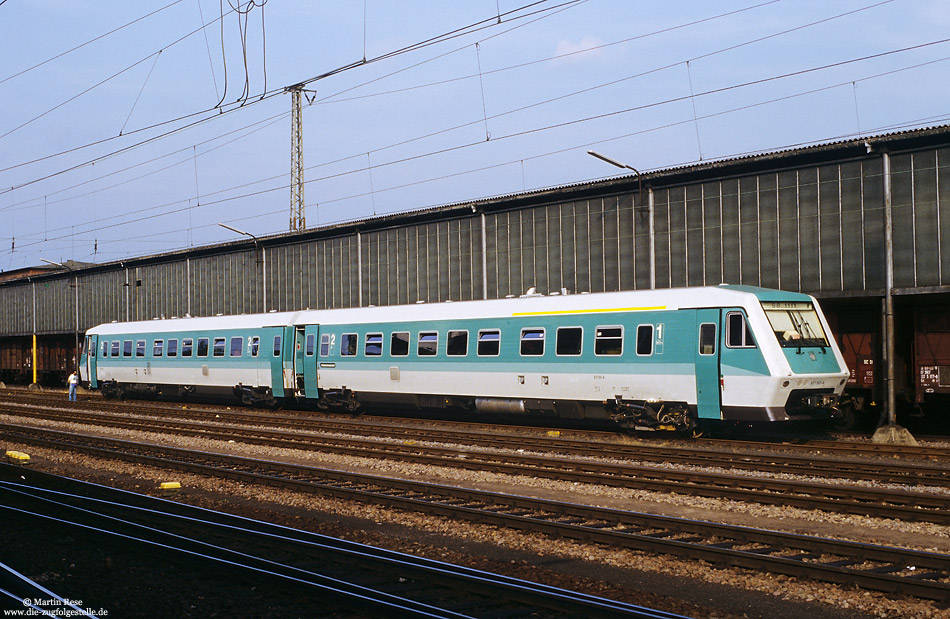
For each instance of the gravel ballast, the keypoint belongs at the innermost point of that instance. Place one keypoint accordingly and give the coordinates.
(691, 588)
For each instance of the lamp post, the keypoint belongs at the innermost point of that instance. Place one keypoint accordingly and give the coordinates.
(76, 286)
(614, 162)
(257, 245)
(619, 164)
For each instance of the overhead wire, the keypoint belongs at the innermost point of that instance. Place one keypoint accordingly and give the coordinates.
(555, 57)
(90, 41)
(284, 187)
(638, 74)
(426, 155)
(210, 112)
(100, 83)
(700, 94)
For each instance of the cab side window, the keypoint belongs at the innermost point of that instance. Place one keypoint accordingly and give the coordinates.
(738, 333)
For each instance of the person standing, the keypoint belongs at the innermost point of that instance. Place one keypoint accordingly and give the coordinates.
(73, 383)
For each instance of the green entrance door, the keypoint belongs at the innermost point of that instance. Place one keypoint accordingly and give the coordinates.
(708, 389)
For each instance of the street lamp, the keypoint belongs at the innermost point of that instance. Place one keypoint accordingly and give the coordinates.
(76, 286)
(651, 224)
(226, 226)
(257, 245)
(614, 162)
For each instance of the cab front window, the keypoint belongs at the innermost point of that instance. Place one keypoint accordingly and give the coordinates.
(795, 324)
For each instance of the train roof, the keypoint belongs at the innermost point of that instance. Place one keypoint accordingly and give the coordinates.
(198, 323)
(527, 305)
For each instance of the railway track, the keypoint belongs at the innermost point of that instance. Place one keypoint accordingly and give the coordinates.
(867, 501)
(915, 573)
(355, 577)
(431, 429)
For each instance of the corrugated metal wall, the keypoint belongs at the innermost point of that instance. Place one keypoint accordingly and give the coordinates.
(426, 262)
(584, 246)
(920, 190)
(811, 228)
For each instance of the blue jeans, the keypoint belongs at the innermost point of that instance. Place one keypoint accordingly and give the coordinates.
(72, 393)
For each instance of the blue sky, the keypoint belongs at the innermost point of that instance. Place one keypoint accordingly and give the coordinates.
(120, 147)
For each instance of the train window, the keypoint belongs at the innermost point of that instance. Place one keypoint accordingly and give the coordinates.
(158, 348)
(172, 349)
(608, 341)
(456, 344)
(186, 346)
(237, 346)
(126, 348)
(738, 334)
(374, 345)
(399, 344)
(348, 342)
(139, 348)
(254, 345)
(489, 343)
(218, 347)
(568, 341)
(276, 345)
(428, 343)
(707, 338)
(532, 342)
(202, 347)
(105, 349)
(115, 348)
(325, 345)
(645, 340)
(311, 345)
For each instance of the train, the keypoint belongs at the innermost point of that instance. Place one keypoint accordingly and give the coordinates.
(673, 359)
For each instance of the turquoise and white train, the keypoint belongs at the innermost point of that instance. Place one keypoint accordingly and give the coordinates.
(657, 359)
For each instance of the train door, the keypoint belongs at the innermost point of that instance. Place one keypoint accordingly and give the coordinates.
(270, 349)
(708, 393)
(287, 354)
(305, 360)
(311, 336)
(91, 353)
